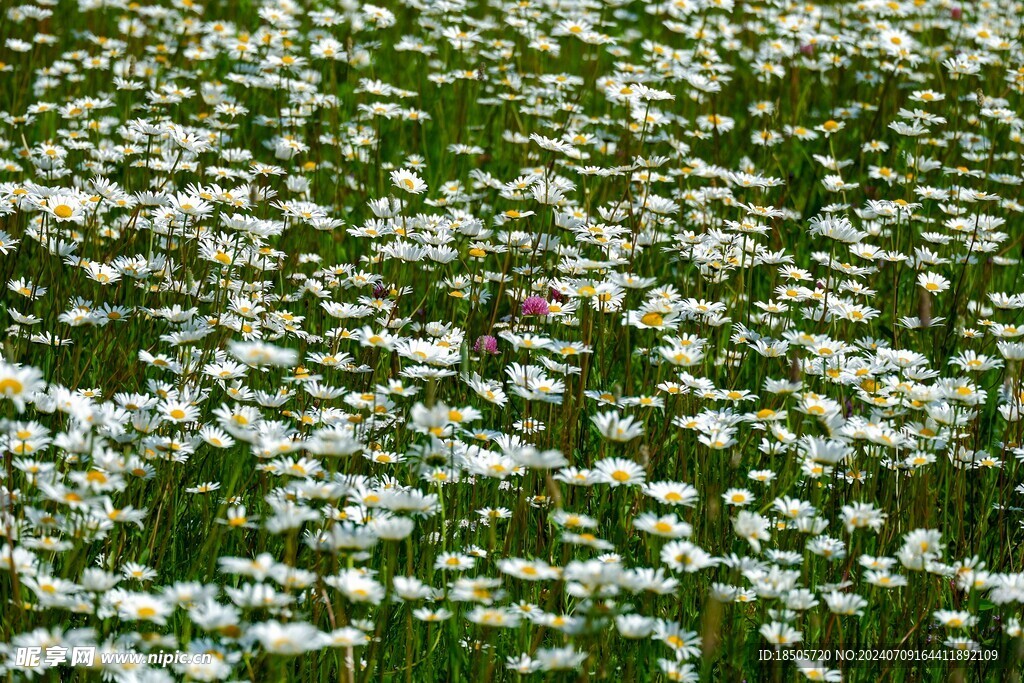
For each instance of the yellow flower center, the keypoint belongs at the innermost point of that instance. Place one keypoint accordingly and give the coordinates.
(652, 319)
(10, 386)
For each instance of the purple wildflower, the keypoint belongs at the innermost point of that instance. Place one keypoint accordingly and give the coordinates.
(535, 305)
(485, 343)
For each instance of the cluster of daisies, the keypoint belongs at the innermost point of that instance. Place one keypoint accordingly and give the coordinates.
(477, 340)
